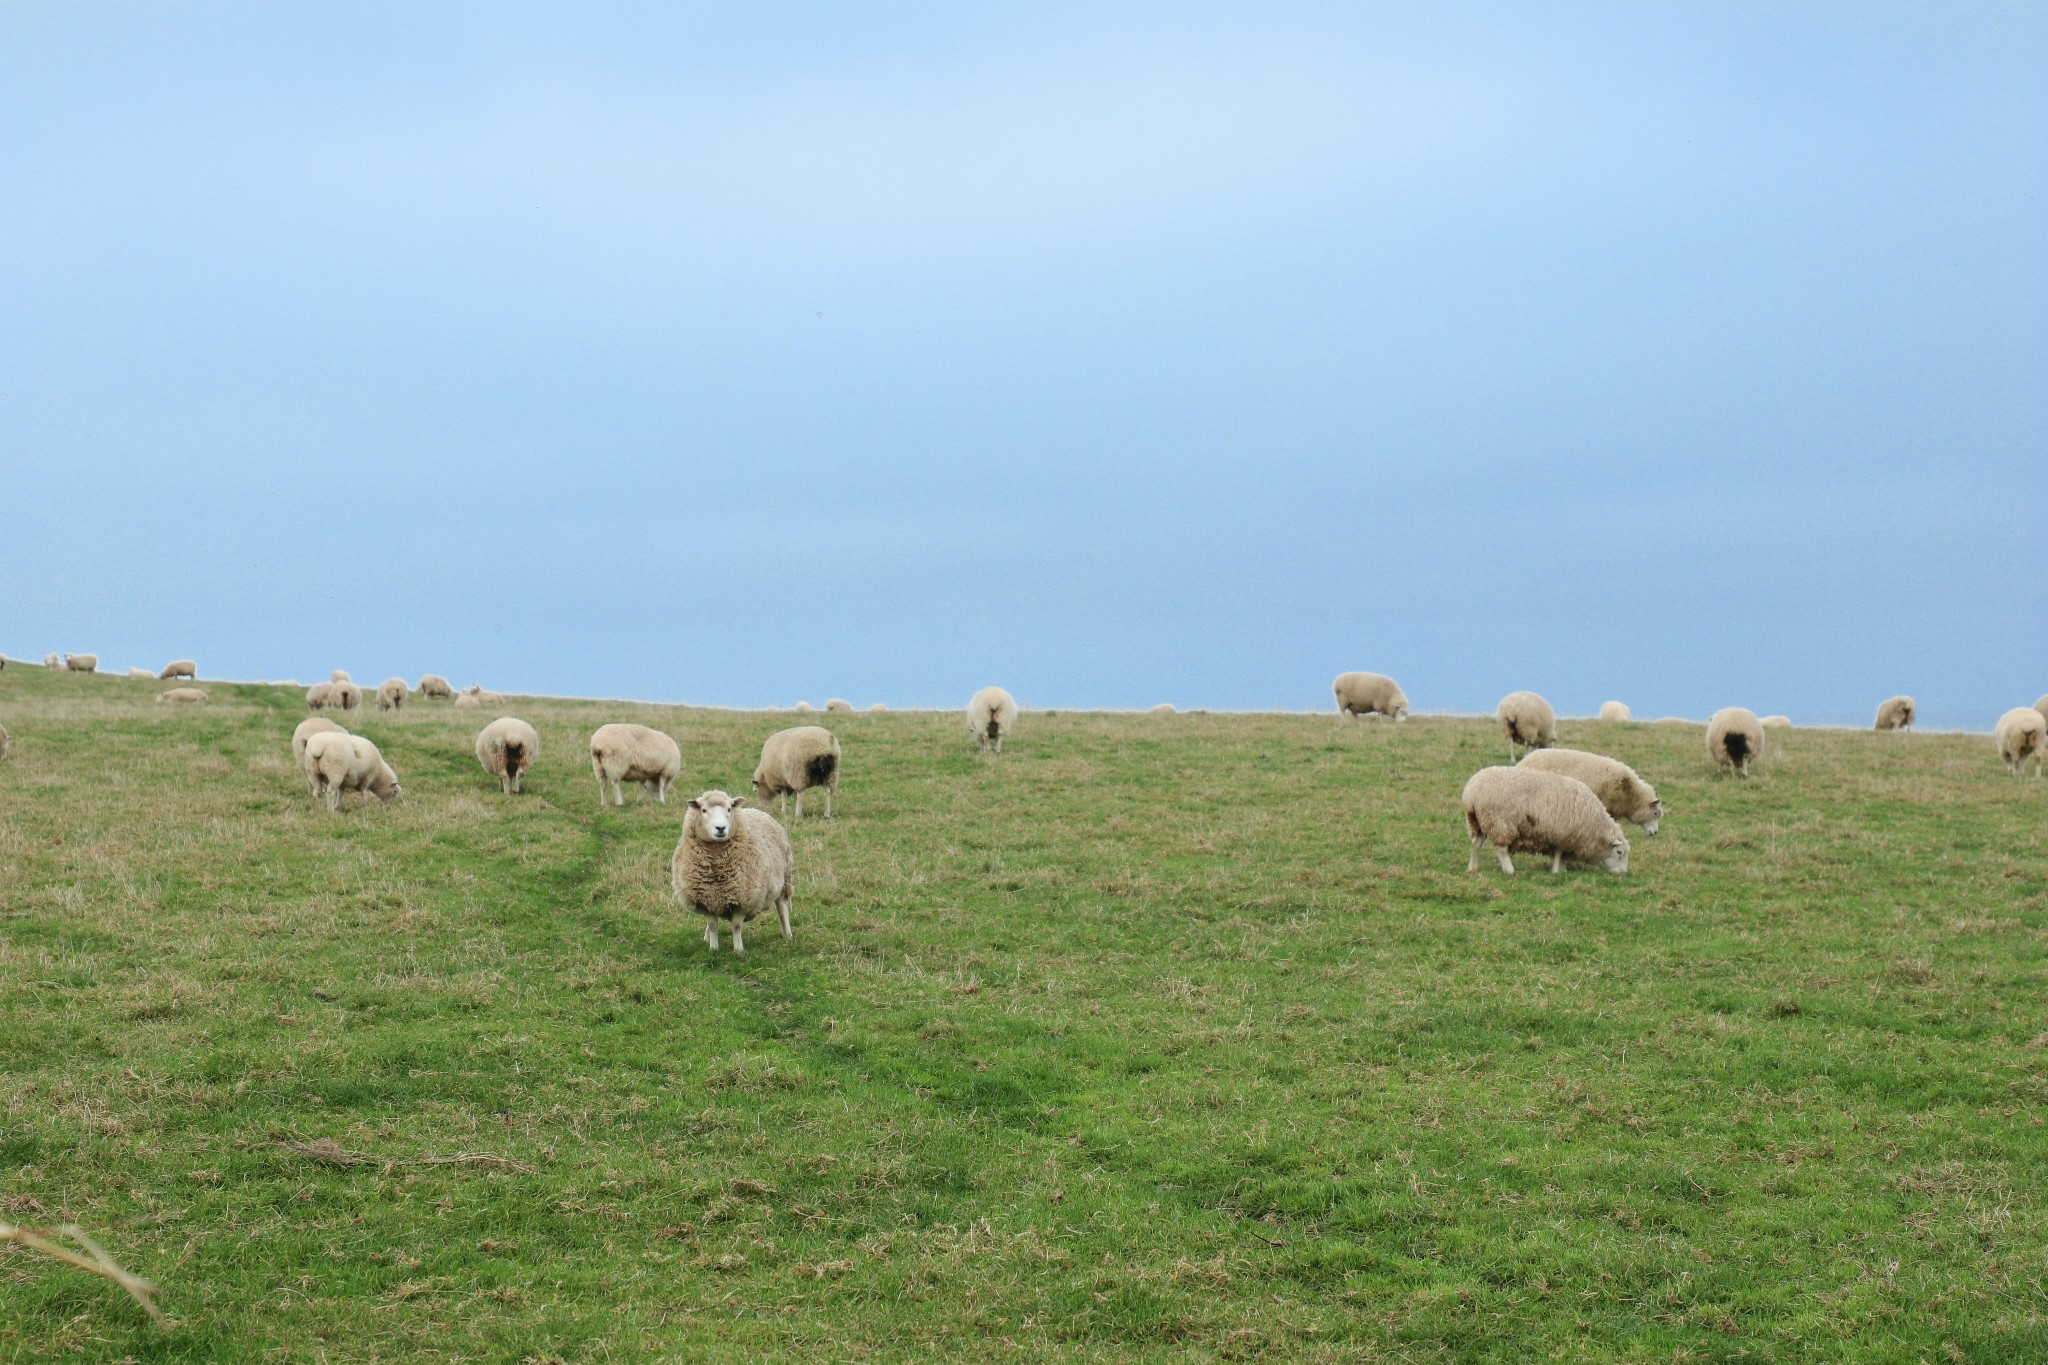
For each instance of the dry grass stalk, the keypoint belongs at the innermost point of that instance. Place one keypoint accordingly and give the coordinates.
(95, 1262)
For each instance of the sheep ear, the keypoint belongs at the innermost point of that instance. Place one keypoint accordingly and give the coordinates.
(738, 801)
(695, 804)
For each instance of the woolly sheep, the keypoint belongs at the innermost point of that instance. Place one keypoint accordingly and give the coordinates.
(1776, 722)
(805, 707)
(622, 753)
(1896, 714)
(839, 706)
(507, 748)
(1733, 738)
(180, 668)
(877, 709)
(52, 661)
(1519, 809)
(183, 694)
(795, 760)
(320, 696)
(346, 695)
(467, 701)
(391, 694)
(339, 675)
(990, 716)
(1614, 710)
(82, 663)
(309, 727)
(1526, 719)
(341, 762)
(477, 690)
(732, 864)
(2022, 734)
(142, 673)
(1621, 790)
(2042, 706)
(1361, 694)
(434, 685)
(1164, 708)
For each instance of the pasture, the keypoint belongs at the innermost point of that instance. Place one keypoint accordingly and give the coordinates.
(1178, 1038)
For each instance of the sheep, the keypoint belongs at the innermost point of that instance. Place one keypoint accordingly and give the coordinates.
(794, 761)
(1896, 714)
(633, 753)
(1526, 719)
(2042, 706)
(3, 663)
(180, 668)
(1620, 789)
(434, 685)
(320, 696)
(142, 673)
(1164, 708)
(990, 716)
(1776, 722)
(804, 708)
(2022, 734)
(507, 748)
(186, 695)
(477, 690)
(1525, 808)
(340, 762)
(1363, 694)
(309, 727)
(878, 709)
(339, 675)
(346, 695)
(51, 661)
(82, 663)
(1733, 738)
(839, 706)
(391, 694)
(1614, 710)
(467, 701)
(732, 863)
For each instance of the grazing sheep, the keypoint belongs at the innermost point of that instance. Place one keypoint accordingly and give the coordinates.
(2022, 734)
(52, 661)
(320, 696)
(180, 668)
(309, 727)
(794, 761)
(839, 706)
(1776, 722)
(82, 663)
(2042, 706)
(183, 694)
(804, 708)
(1733, 738)
(142, 673)
(341, 762)
(624, 753)
(732, 864)
(467, 701)
(1614, 710)
(391, 694)
(1363, 694)
(346, 695)
(877, 709)
(434, 685)
(990, 716)
(1526, 719)
(507, 748)
(1620, 789)
(1896, 714)
(339, 675)
(1524, 808)
(1164, 708)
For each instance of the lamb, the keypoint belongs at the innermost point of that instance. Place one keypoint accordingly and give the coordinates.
(340, 762)
(1614, 710)
(1624, 794)
(507, 748)
(309, 727)
(82, 663)
(187, 695)
(468, 701)
(320, 696)
(794, 761)
(434, 685)
(1363, 694)
(391, 694)
(1526, 719)
(477, 690)
(990, 716)
(732, 864)
(633, 753)
(346, 695)
(839, 706)
(2022, 734)
(1733, 738)
(180, 668)
(1896, 714)
(1524, 808)
(1776, 722)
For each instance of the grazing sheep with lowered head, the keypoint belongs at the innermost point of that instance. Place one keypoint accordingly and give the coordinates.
(795, 760)
(991, 715)
(622, 753)
(341, 762)
(391, 694)
(320, 696)
(877, 709)
(1776, 722)
(82, 663)
(187, 695)
(507, 748)
(838, 706)
(1614, 710)
(346, 695)
(1621, 790)
(309, 727)
(1733, 738)
(141, 673)
(1896, 714)
(434, 685)
(732, 864)
(179, 668)
(1519, 809)
(1526, 719)
(1367, 694)
(2022, 734)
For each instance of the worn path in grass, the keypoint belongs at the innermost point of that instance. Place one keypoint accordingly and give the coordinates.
(1158, 1038)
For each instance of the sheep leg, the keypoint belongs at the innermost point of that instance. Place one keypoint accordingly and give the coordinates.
(828, 803)
(711, 932)
(1557, 862)
(618, 793)
(799, 805)
(739, 947)
(782, 910)
(1507, 864)
(1478, 842)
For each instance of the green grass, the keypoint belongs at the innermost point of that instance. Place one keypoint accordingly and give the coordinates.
(1183, 1038)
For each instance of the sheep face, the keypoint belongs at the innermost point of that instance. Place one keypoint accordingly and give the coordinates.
(713, 812)
(1617, 856)
(1656, 817)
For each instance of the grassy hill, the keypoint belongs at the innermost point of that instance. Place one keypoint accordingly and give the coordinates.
(1184, 1038)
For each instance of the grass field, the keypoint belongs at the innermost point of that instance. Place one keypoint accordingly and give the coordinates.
(1182, 1038)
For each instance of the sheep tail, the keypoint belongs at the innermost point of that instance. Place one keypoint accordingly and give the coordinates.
(513, 751)
(822, 769)
(1738, 746)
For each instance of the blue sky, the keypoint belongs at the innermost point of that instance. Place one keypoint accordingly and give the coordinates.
(1115, 353)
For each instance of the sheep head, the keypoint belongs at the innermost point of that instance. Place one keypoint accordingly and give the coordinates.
(713, 815)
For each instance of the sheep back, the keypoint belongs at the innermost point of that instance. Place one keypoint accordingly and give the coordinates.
(796, 760)
(82, 663)
(186, 695)
(179, 668)
(1621, 790)
(1734, 737)
(1360, 694)
(434, 685)
(1526, 719)
(991, 714)
(507, 748)
(623, 752)
(391, 694)
(2022, 733)
(1614, 710)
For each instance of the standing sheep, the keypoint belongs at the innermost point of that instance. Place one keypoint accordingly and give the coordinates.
(1733, 738)
(2042, 706)
(1526, 719)
(507, 748)
(346, 695)
(732, 864)
(309, 727)
(82, 663)
(434, 685)
(839, 706)
(179, 668)
(1364, 694)
(1519, 809)
(794, 761)
(183, 694)
(990, 716)
(341, 762)
(1896, 714)
(1614, 710)
(1776, 722)
(2022, 734)
(320, 696)
(624, 753)
(1621, 790)
(391, 694)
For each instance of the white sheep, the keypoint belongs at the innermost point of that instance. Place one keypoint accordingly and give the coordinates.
(346, 695)
(477, 690)
(838, 706)
(141, 673)
(1776, 722)
(2022, 734)
(1164, 708)
(82, 663)
(1363, 694)
(795, 760)
(1526, 719)
(320, 696)
(2042, 706)
(1620, 788)
(804, 708)
(1519, 809)
(187, 695)
(732, 864)
(1614, 710)
(1734, 737)
(622, 753)
(339, 675)
(309, 727)
(179, 668)
(52, 661)
(468, 701)
(507, 748)
(391, 694)
(341, 762)
(878, 709)
(991, 715)
(1896, 714)
(434, 685)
